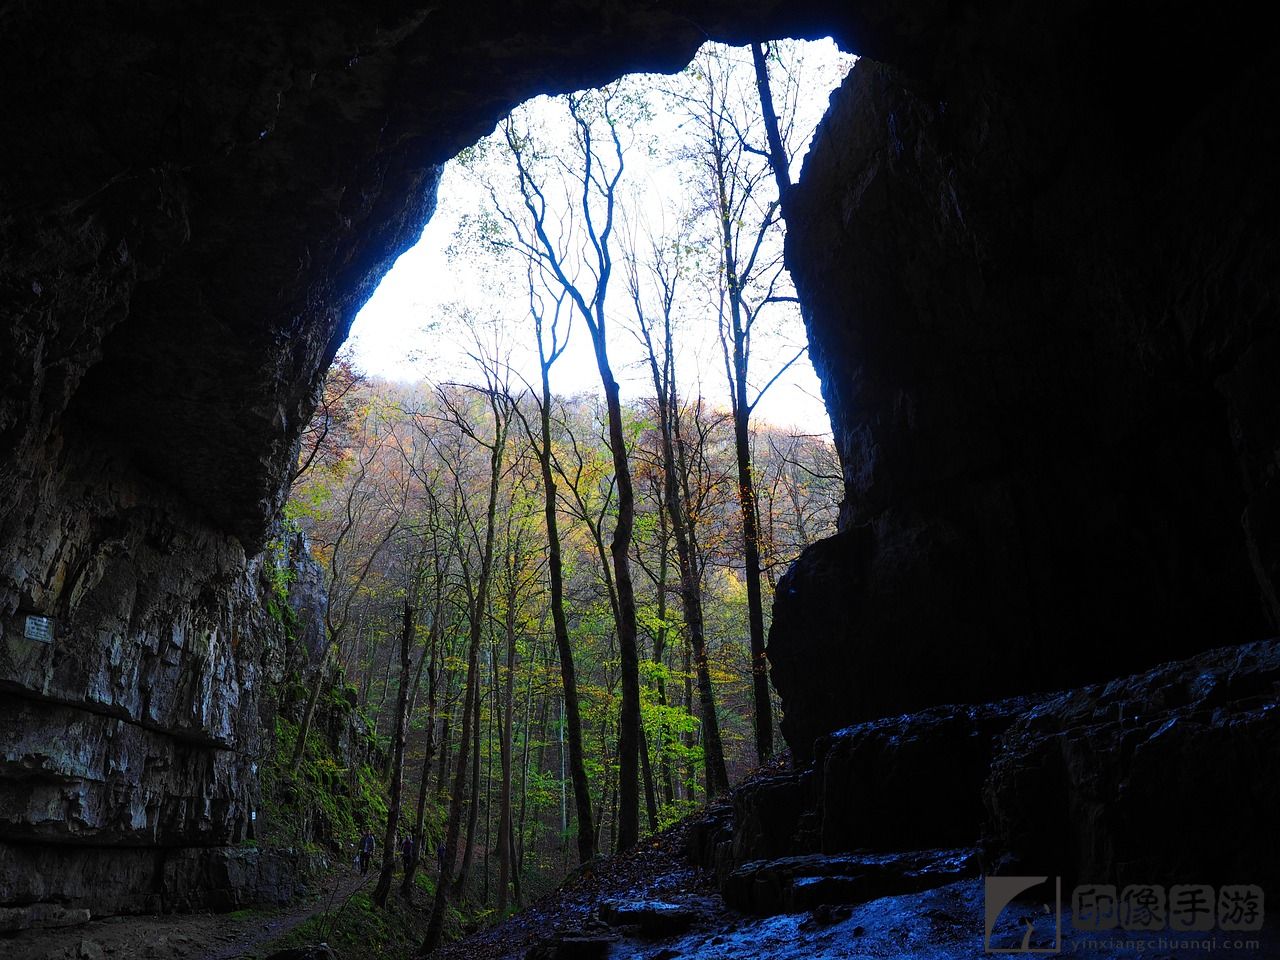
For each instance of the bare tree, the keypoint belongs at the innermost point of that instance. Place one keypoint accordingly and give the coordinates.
(664, 264)
(348, 570)
(497, 393)
(597, 184)
(551, 344)
(751, 279)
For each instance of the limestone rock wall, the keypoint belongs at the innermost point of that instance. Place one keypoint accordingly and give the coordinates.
(1040, 280)
(130, 734)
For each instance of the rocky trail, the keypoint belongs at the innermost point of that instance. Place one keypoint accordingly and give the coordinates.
(241, 935)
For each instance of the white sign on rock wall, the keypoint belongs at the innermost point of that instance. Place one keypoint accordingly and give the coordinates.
(39, 629)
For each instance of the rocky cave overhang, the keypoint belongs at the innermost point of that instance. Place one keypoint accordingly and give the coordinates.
(198, 199)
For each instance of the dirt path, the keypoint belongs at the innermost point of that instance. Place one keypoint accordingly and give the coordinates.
(242, 935)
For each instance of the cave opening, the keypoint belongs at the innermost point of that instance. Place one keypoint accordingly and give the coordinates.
(404, 326)
(630, 236)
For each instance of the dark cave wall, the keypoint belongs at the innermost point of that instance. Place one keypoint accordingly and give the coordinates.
(1040, 281)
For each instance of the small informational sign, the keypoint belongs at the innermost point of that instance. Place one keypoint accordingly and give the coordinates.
(39, 629)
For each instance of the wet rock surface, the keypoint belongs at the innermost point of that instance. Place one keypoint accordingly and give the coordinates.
(797, 884)
(1092, 784)
(650, 918)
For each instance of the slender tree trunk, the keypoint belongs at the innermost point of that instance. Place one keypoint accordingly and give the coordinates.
(746, 485)
(650, 796)
(659, 652)
(383, 888)
(524, 777)
(560, 626)
(479, 607)
(751, 560)
(687, 738)
(675, 487)
(442, 775)
(505, 828)
(419, 840)
(429, 749)
(494, 710)
(382, 701)
(453, 829)
(473, 817)
(309, 712)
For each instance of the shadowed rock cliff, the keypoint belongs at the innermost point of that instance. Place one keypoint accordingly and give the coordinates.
(1040, 282)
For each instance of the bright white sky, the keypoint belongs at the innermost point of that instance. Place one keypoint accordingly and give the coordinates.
(404, 332)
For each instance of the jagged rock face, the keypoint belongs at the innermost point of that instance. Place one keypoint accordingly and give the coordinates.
(1162, 777)
(129, 735)
(1040, 281)
(1159, 777)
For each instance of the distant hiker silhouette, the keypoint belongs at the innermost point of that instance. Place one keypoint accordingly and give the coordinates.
(366, 852)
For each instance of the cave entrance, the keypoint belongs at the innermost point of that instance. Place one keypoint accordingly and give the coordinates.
(415, 325)
(596, 342)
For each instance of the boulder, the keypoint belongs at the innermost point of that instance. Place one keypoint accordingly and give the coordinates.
(796, 884)
(909, 782)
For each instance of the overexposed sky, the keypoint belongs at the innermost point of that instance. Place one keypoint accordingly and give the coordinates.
(407, 330)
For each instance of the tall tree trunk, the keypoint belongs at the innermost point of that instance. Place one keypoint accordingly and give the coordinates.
(560, 626)
(676, 485)
(309, 712)
(659, 652)
(746, 486)
(751, 560)
(453, 829)
(478, 610)
(650, 797)
(442, 775)
(687, 738)
(629, 727)
(429, 749)
(383, 888)
(505, 829)
(494, 710)
(419, 839)
(473, 817)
